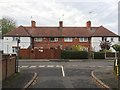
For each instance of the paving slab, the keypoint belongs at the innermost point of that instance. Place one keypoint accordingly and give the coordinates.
(18, 80)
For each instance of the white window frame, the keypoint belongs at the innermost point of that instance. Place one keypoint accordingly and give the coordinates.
(68, 39)
(55, 39)
(38, 39)
(15, 38)
(84, 39)
(112, 39)
(104, 38)
(14, 49)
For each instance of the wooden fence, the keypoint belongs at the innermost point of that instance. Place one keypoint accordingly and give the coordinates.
(8, 66)
(40, 53)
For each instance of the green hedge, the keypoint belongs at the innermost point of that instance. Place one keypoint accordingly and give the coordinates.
(99, 55)
(69, 54)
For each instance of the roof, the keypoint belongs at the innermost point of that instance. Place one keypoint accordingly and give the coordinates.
(65, 32)
(102, 31)
(20, 31)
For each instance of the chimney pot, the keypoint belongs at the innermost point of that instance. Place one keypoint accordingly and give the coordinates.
(88, 24)
(60, 24)
(33, 24)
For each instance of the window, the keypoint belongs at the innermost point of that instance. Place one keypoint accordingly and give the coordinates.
(104, 38)
(112, 39)
(38, 39)
(14, 49)
(68, 39)
(16, 38)
(83, 39)
(52, 39)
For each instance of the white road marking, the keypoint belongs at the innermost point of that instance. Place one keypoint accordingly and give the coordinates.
(58, 65)
(41, 66)
(32, 66)
(50, 66)
(23, 66)
(92, 66)
(99, 66)
(75, 65)
(63, 73)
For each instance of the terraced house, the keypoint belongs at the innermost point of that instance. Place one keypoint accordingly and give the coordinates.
(53, 37)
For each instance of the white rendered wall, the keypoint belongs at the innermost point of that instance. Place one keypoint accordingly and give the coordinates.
(8, 43)
(95, 43)
(1, 43)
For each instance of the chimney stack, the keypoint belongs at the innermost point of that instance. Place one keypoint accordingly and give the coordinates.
(33, 24)
(88, 24)
(60, 24)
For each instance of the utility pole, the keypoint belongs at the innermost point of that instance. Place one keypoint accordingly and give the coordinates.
(17, 54)
(119, 71)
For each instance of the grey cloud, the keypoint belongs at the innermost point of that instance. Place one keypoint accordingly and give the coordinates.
(48, 13)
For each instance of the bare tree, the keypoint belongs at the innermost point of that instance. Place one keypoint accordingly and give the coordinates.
(105, 45)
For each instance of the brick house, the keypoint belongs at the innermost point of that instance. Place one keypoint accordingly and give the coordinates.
(53, 37)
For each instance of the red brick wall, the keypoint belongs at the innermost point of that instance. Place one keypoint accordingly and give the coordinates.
(24, 53)
(47, 44)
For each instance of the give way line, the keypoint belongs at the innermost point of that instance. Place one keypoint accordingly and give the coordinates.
(63, 73)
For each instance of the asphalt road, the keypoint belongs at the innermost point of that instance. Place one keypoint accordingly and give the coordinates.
(64, 74)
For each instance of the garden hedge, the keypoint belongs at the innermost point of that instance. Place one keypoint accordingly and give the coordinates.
(99, 55)
(69, 54)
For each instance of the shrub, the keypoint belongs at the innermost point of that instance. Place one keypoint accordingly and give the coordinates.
(69, 54)
(78, 48)
(116, 47)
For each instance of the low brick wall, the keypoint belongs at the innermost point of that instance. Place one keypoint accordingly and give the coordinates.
(8, 66)
(24, 53)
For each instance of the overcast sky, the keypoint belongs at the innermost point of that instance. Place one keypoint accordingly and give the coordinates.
(73, 13)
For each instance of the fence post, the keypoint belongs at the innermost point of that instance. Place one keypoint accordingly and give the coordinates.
(105, 54)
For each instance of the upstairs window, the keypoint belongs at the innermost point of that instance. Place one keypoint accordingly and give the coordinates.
(83, 39)
(52, 39)
(16, 38)
(68, 39)
(104, 38)
(112, 39)
(38, 39)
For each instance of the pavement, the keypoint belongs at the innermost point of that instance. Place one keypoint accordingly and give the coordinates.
(106, 79)
(62, 60)
(19, 80)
